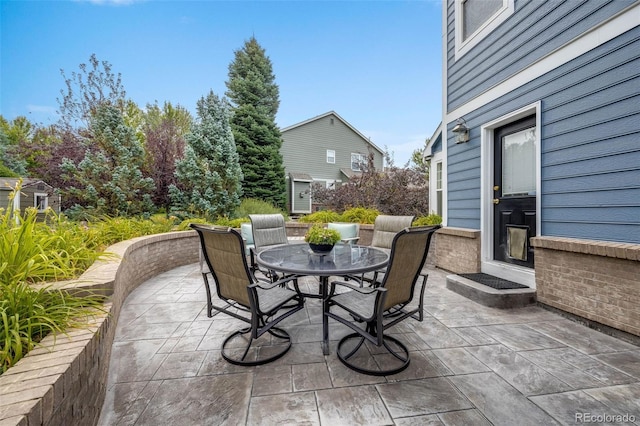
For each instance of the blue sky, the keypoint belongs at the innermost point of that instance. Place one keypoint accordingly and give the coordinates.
(376, 63)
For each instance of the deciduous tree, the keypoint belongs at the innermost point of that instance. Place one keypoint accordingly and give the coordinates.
(164, 130)
(94, 85)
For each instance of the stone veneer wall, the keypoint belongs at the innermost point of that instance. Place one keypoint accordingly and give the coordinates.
(596, 280)
(63, 382)
(458, 250)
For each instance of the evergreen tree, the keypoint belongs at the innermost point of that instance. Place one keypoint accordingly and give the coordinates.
(109, 178)
(255, 96)
(209, 175)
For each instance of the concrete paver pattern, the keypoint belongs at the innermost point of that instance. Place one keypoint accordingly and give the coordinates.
(470, 365)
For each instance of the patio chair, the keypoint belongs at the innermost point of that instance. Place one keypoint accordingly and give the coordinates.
(348, 231)
(261, 304)
(247, 235)
(385, 228)
(268, 230)
(382, 307)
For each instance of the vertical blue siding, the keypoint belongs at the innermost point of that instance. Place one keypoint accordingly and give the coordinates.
(590, 144)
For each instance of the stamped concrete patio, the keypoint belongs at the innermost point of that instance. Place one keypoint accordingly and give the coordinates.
(470, 365)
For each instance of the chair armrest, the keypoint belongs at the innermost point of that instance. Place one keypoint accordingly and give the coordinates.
(363, 290)
(267, 285)
(350, 240)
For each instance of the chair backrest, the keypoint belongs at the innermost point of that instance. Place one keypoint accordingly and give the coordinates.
(223, 251)
(408, 255)
(386, 227)
(246, 230)
(346, 230)
(268, 230)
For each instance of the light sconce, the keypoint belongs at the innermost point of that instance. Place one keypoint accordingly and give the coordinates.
(461, 131)
(303, 193)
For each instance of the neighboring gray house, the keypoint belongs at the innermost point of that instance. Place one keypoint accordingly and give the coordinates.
(34, 193)
(544, 189)
(324, 149)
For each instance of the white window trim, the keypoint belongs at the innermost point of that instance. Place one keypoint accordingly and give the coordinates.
(463, 46)
(362, 159)
(46, 200)
(507, 271)
(333, 156)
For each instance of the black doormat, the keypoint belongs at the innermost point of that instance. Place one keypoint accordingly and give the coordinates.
(493, 282)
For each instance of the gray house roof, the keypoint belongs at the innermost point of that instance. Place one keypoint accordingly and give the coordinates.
(318, 117)
(9, 184)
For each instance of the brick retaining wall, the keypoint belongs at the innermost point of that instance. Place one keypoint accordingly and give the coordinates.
(63, 382)
(596, 280)
(458, 250)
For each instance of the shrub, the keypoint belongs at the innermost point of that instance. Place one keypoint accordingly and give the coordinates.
(30, 252)
(360, 215)
(27, 315)
(322, 216)
(114, 229)
(254, 206)
(396, 191)
(232, 223)
(432, 219)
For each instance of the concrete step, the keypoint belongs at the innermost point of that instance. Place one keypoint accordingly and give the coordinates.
(488, 296)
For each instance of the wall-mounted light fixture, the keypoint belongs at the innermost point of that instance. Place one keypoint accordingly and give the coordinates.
(461, 131)
(303, 193)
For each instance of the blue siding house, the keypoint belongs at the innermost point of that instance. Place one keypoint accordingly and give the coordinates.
(539, 145)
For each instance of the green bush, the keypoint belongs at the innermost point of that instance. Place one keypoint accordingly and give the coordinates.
(111, 230)
(184, 225)
(27, 315)
(360, 215)
(432, 219)
(32, 251)
(232, 223)
(254, 206)
(322, 216)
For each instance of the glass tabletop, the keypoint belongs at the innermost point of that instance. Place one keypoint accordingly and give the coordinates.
(344, 259)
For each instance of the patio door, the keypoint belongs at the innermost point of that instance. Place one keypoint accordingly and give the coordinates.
(514, 192)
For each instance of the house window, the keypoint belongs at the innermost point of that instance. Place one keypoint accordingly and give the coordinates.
(439, 188)
(358, 161)
(40, 201)
(475, 19)
(331, 156)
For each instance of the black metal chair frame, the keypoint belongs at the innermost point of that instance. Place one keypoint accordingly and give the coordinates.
(381, 317)
(260, 320)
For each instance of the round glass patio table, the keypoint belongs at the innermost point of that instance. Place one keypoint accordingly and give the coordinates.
(344, 259)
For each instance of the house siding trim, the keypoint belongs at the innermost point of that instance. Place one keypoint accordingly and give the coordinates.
(615, 26)
(463, 46)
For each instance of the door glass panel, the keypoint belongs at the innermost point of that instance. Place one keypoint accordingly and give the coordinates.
(519, 163)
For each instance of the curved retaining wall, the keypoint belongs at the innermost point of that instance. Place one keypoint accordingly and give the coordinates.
(63, 381)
